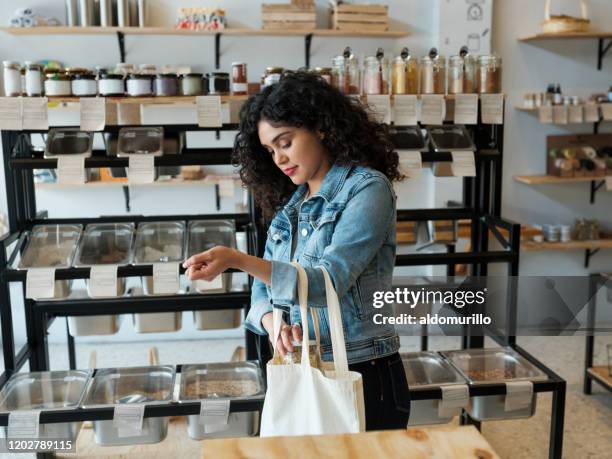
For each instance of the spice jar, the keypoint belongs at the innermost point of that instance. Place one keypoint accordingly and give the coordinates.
(345, 74)
(324, 72)
(12, 78)
(218, 83)
(124, 69)
(271, 76)
(33, 79)
(489, 74)
(376, 74)
(111, 84)
(470, 72)
(57, 83)
(240, 84)
(84, 84)
(405, 74)
(166, 84)
(139, 85)
(191, 84)
(433, 73)
(147, 69)
(455, 75)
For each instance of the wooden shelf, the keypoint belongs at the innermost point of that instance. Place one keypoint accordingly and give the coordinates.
(602, 375)
(531, 246)
(63, 30)
(567, 36)
(154, 100)
(107, 184)
(551, 179)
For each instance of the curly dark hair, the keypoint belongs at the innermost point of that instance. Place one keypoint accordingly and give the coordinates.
(302, 99)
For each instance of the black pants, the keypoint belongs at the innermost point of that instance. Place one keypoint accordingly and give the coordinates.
(385, 389)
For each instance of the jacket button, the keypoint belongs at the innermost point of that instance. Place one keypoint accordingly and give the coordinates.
(271, 302)
(304, 232)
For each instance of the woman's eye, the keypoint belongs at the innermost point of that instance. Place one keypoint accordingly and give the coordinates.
(287, 145)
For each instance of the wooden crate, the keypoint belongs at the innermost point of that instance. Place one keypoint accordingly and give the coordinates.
(357, 18)
(288, 16)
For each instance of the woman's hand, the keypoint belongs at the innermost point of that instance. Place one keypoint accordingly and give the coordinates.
(208, 265)
(288, 334)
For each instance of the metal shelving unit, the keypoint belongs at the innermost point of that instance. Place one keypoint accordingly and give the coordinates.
(593, 373)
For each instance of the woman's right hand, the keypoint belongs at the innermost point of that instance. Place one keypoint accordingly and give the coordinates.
(288, 334)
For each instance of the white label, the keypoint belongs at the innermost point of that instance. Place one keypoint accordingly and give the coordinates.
(103, 281)
(432, 109)
(240, 87)
(226, 188)
(40, 283)
(492, 107)
(10, 113)
(141, 169)
(34, 113)
(560, 114)
(71, 170)
(23, 424)
(215, 284)
(209, 111)
(410, 163)
(93, 113)
(454, 398)
(545, 114)
(576, 114)
(591, 113)
(405, 110)
(127, 419)
(606, 111)
(464, 164)
(129, 114)
(214, 412)
(165, 278)
(466, 109)
(381, 107)
(519, 395)
(609, 188)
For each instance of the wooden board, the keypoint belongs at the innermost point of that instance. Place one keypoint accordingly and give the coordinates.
(360, 17)
(567, 36)
(551, 179)
(444, 443)
(531, 246)
(602, 374)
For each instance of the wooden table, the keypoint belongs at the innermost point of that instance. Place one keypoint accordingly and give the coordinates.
(442, 443)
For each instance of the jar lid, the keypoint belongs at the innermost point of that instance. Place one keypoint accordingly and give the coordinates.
(76, 70)
(192, 75)
(84, 76)
(140, 76)
(33, 66)
(11, 64)
(166, 75)
(218, 75)
(238, 63)
(111, 76)
(275, 69)
(58, 75)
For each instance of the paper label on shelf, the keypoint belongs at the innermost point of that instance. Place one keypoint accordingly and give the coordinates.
(591, 113)
(92, 113)
(209, 111)
(380, 106)
(34, 113)
(214, 412)
(127, 419)
(464, 164)
(519, 395)
(560, 114)
(23, 424)
(405, 111)
(545, 114)
(454, 398)
(466, 109)
(10, 113)
(606, 111)
(410, 163)
(215, 284)
(492, 108)
(166, 278)
(432, 109)
(141, 169)
(609, 187)
(71, 170)
(103, 281)
(129, 114)
(40, 283)
(575, 114)
(226, 188)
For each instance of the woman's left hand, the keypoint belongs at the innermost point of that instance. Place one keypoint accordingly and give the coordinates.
(208, 265)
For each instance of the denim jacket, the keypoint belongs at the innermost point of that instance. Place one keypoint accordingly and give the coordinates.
(349, 228)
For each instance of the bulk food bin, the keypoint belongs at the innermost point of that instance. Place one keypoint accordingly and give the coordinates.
(158, 242)
(407, 138)
(142, 385)
(52, 246)
(230, 381)
(204, 235)
(68, 142)
(428, 370)
(47, 390)
(495, 365)
(450, 138)
(103, 244)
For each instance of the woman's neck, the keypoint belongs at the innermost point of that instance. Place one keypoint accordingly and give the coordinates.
(315, 183)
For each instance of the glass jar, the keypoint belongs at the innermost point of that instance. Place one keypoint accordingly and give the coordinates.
(84, 84)
(12, 78)
(139, 85)
(111, 84)
(375, 75)
(271, 76)
(147, 69)
(240, 83)
(456, 75)
(33, 79)
(191, 84)
(489, 74)
(166, 84)
(218, 83)
(345, 74)
(405, 74)
(57, 83)
(124, 69)
(433, 73)
(470, 74)
(324, 72)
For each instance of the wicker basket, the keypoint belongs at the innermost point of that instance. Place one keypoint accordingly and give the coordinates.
(566, 24)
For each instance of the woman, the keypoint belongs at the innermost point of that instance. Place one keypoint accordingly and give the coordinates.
(321, 170)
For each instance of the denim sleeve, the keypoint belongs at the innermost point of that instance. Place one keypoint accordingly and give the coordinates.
(260, 302)
(359, 234)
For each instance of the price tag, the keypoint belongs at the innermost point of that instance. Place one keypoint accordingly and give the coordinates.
(591, 113)
(410, 163)
(40, 283)
(381, 107)
(464, 164)
(214, 412)
(165, 278)
(141, 169)
(432, 109)
(606, 111)
(34, 113)
(492, 107)
(405, 110)
(545, 114)
(454, 398)
(560, 114)
(129, 114)
(519, 395)
(576, 115)
(23, 424)
(466, 109)
(209, 111)
(127, 419)
(609, 188)
(92, 113)
(10, 113)
(103, 281)
(71, 170)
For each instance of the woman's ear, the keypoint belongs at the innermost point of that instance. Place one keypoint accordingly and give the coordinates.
(321, 135)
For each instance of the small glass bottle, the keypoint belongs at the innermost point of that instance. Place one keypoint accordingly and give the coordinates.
(272, 76)
(12, 78)
(240, 84)
(433, 73)
(405, 74)
(456, 75)
(34, 79)
(376, 74)
(489, 74)
(470, 71)
(345, 74)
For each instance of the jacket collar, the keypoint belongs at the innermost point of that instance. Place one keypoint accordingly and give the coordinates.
(332, 183)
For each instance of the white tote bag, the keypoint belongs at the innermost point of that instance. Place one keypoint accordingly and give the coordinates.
(302, 400)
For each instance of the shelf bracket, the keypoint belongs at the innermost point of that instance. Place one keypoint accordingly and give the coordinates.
(218, 50)
(595, 187)
(603, 50)
(121, 41)
(126, 195)
(588, 254)
(217, 197)
(307, 45)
